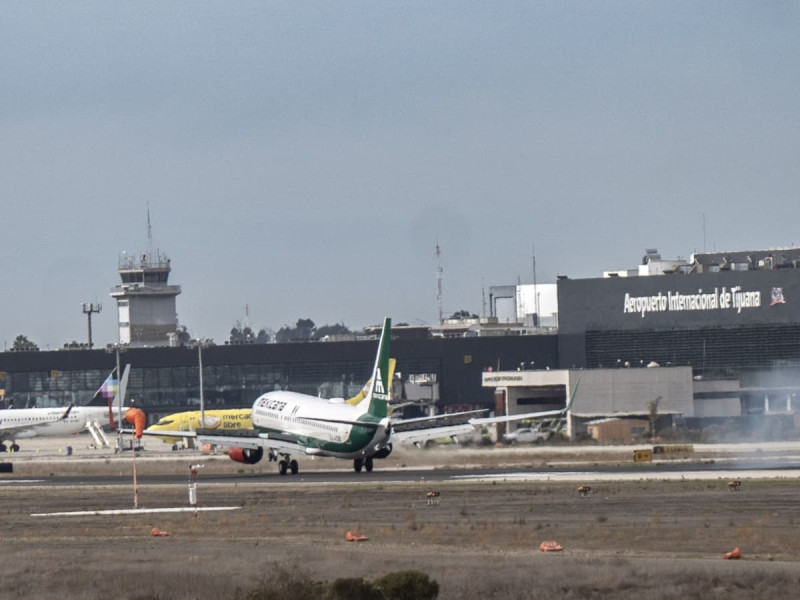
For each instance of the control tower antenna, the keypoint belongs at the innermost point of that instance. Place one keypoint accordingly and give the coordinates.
(483, 297)
(88, 309)
(535, 290)
(149, 233)
(439, 279)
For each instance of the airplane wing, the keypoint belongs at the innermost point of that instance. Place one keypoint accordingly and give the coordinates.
(240, 438)
(422, 429)
(518, 417)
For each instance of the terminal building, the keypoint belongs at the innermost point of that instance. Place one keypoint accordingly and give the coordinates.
(710, 338)
(714, 337)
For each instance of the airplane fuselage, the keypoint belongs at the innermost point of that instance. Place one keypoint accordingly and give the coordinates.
(220, 419)
(313, 421)
(49, 421)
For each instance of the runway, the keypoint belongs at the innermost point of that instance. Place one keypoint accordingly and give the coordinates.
(579, 473)
(45, 462)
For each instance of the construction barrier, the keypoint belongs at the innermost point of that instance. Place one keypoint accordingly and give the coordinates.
(668, 449)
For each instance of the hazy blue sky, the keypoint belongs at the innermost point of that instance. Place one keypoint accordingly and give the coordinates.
(302, 158)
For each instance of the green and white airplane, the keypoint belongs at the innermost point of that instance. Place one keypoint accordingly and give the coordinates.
(287, 423)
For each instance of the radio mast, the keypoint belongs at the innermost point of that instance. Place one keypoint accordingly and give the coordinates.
(439, 279)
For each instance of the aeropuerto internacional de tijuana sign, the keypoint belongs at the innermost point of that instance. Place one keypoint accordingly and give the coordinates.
(722, 299)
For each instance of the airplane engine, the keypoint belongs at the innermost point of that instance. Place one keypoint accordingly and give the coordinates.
(384, 452)
(249, 456)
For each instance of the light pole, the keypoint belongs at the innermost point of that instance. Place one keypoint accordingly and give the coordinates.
(202, 398)
(117, 348)
(88, 309)
(200, 343)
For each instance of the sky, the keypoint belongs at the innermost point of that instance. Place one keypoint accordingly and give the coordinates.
(303, 159)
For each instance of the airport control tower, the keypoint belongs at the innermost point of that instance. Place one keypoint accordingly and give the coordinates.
(146, 313)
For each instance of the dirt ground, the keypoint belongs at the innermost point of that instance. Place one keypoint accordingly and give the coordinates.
(641, 539)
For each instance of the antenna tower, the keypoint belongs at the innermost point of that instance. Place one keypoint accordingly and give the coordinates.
(439, 279)
(483, 297)
(535, 289)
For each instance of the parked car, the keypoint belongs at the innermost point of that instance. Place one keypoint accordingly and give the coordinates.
(526, 435)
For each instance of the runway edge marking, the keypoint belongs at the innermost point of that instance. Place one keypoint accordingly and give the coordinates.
(134, 511)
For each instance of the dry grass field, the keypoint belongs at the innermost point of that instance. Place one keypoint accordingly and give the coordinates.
(642, 540)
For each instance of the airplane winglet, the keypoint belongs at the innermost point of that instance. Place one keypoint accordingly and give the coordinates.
(572, 395)
(66, 412)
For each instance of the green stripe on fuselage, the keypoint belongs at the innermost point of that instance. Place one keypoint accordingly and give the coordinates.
(358, 440)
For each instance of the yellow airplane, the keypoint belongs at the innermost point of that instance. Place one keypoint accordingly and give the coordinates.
(226, 419)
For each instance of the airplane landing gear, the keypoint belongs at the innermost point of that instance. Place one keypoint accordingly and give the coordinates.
(285, 465)
(362, 463)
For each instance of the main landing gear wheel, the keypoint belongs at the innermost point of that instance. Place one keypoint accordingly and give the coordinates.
(362, 463)
(286, 465)
(15, 447)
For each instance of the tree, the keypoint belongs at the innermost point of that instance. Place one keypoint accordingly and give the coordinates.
(325, 330)
(23, 344)
(652, 409)
(245, 335)
(184, 337)
(460, 315)
(303, 331)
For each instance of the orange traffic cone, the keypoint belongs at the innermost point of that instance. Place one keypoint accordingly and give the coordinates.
(550, 546)
(156, 532)
(733, 554)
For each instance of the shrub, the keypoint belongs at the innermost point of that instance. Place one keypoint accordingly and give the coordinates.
(353, 589)
(407, 585)
(283, 583)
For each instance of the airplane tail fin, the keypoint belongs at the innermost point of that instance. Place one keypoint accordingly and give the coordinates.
(107, 392)
(355, 400)
(111, 391)
(377, 398)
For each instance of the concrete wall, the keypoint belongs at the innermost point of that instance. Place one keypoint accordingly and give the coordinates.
(618, 431)
(609, 391)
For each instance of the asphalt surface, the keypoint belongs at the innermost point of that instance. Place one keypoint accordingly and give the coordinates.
(61, 457)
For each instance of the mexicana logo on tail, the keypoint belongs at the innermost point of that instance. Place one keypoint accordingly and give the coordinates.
(379, 391)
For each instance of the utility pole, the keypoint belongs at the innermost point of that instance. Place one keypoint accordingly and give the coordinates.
(88, 309)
